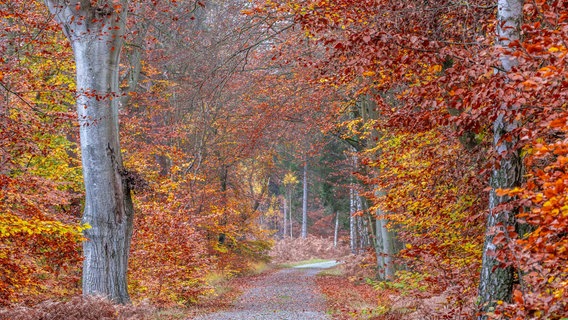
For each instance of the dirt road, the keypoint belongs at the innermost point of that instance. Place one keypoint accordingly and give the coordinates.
(289, 294)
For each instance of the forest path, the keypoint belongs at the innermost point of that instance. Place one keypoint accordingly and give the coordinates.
(289, 294)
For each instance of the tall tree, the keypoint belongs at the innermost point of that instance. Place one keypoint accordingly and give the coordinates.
(96, 33)
(285, 221)
(352, 220)
(383, 238)
(289, 181)
(305, 201)
(496, 281)
(336, 230)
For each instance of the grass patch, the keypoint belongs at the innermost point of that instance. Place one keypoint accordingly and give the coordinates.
(332, 272)
(218, 283)
(260, 267)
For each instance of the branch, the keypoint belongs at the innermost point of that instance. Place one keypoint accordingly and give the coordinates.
(22, 99)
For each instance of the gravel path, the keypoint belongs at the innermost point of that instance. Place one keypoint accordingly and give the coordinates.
(288, 294)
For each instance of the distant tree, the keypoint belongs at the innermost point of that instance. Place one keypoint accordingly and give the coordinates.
(289, 182)
(305, 200)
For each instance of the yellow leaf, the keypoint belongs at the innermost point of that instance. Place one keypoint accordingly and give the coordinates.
(435, 68)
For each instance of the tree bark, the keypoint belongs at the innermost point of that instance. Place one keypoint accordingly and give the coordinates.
(362, 227)
(96, 36)
(496, 281)
(385, 247)
(290, 211)
(305, 202)
(378, 243)
(336, 230)
(352, 222)
(285, 229)
(384, 244)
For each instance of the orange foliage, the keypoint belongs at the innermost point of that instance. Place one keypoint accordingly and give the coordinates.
(430, 67)
(39, 175)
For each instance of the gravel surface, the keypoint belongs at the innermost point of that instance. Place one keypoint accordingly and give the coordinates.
(288, 294)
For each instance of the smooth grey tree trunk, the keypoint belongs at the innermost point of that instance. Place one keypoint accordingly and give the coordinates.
(496, 282)
(305, 202)
(378, 243)
(96, 36)
(384, 246)
(285, 227)
(336, 230)
(290, 211)
(387, 248)
(362, 227)
(352, 222)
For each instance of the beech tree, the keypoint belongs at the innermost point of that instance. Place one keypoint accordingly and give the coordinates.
(353, 235)
(496, 281)
(305, 200)
(96, 33)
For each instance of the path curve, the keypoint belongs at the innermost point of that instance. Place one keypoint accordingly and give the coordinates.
(289, 294)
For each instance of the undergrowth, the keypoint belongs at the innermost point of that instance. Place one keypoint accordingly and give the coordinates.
(78, 308)
(297, 249)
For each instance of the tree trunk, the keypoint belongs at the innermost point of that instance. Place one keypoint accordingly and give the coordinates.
(384, 246)
(364, 231)
(352, 222)
(336, 231)
(96, 36)
(135, 62)
(496, 282)
(305, 202)
(378, 242)
(387, 246)
(285, 229)
(290, 212)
